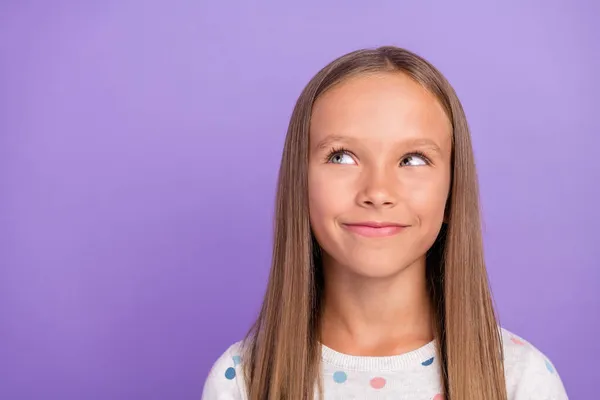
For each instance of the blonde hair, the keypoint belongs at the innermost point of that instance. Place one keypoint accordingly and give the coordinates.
(283, 348)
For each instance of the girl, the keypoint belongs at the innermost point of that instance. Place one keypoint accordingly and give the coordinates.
(378, 287)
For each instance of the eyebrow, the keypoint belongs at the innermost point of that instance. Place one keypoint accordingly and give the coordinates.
(424, 143)
(328, 141)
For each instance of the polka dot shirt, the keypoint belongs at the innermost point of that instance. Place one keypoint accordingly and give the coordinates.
(410, 376)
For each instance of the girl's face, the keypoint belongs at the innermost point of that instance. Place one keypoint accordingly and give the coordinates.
(379, 172)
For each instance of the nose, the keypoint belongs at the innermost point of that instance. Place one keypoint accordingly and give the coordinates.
(378, 191)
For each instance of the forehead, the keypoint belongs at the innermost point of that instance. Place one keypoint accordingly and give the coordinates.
(386, 105)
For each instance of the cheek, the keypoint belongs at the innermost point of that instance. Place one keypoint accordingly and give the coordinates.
(330, 195)
(428, 198)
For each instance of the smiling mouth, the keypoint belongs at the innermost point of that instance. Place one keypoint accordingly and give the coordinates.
(375, 229)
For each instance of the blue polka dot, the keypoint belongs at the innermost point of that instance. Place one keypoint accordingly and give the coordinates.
(549, 367)
(427, 362)
(230, 373)
(237, 360)
(340, 376)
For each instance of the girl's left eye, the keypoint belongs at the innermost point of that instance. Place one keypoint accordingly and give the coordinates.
(414, 160)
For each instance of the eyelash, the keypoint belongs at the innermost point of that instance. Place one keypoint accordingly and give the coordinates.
(335, 151)
(418, 154)
(340, 150)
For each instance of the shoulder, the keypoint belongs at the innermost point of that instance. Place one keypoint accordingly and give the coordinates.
(225, 380)
(529, 373)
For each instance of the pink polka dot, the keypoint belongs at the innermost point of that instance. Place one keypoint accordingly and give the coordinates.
(438, 396)
(377, 383)
(517, 341)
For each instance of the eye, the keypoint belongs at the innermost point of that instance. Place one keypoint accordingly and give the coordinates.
(414, 160)
(340, 157)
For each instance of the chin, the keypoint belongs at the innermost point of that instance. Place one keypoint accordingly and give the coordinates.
(376, 265)
(376, 270)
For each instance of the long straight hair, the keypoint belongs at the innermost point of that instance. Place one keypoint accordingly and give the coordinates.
(283, 347)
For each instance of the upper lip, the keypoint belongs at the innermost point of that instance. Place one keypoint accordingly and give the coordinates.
(376, 224)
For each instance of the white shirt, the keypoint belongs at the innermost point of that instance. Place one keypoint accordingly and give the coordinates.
(410, 376)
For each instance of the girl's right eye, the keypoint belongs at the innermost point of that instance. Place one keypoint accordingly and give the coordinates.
(340, 157)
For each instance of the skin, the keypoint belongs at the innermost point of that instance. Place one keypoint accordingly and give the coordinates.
(375, 298)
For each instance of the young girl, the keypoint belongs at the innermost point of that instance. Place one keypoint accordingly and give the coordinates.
(378, 287)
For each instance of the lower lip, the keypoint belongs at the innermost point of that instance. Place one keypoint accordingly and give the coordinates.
(371, 231)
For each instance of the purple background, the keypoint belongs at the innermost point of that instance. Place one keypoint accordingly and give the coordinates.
(139, 146)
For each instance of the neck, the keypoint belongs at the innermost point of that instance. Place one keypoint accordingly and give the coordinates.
(376, 316)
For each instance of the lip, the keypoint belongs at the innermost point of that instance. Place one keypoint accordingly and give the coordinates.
(375, 228)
